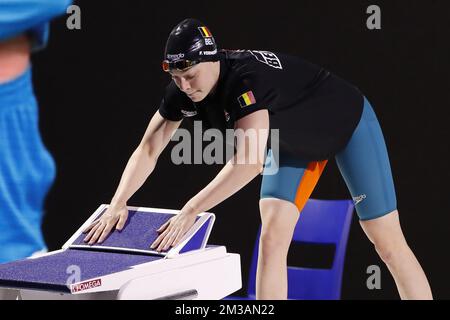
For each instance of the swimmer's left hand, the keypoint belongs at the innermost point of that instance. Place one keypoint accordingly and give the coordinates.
(174, 229)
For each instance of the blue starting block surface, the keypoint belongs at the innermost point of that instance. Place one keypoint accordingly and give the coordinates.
(53, 272)
(138, 233)
(120, 251)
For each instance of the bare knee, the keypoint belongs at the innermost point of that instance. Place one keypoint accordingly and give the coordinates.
(391, 249)
(386, 235)
(271, 243)
(279, 218)
(385, 251)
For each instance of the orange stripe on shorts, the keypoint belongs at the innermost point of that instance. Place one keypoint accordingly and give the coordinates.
(308, 182)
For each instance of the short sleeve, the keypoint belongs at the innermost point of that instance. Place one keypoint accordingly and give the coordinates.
(249, 95)
(172, 102)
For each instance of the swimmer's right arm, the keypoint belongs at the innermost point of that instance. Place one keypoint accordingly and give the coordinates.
(139, 167)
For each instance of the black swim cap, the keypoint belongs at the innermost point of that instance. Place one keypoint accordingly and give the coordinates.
(189, 43)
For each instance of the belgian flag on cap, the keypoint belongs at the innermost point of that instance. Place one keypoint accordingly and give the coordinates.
(205, 32)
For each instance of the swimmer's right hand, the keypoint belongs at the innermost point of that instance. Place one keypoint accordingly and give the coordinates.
(115, 215)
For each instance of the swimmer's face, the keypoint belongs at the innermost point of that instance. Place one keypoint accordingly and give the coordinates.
(197, 82)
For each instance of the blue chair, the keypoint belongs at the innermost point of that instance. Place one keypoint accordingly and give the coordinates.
(321, 222)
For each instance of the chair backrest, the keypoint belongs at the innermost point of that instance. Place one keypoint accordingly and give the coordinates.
(320, 222)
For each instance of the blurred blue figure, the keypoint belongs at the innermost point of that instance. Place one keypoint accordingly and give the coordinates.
(27, 169)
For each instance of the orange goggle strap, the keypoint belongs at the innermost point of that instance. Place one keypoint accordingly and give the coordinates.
(179, 65)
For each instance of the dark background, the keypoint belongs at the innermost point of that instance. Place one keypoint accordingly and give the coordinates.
(99, 86)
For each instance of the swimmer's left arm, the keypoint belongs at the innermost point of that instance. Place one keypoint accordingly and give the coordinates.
(245, 165)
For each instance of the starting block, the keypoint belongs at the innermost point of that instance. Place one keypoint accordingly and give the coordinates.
(124, 266)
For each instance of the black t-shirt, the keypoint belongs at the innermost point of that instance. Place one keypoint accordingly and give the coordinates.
(315, 111)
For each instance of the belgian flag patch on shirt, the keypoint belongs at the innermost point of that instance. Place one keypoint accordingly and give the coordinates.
(247, 99)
